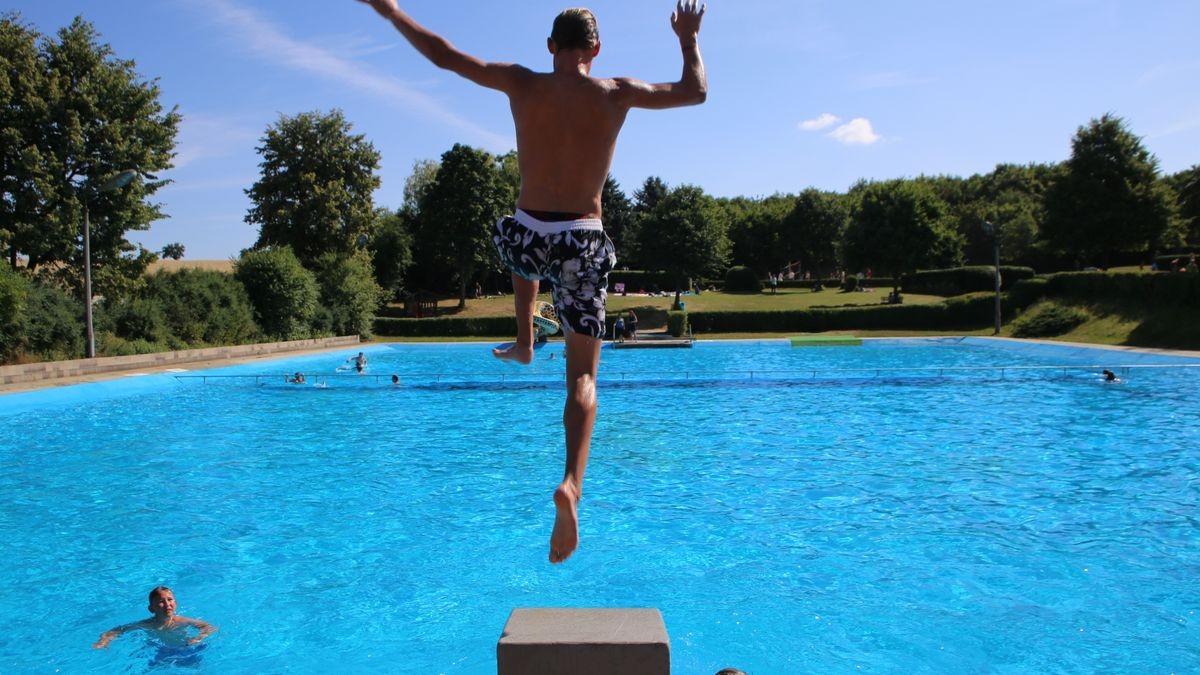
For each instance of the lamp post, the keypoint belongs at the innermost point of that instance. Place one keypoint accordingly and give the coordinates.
(995, 232)
(114, 183)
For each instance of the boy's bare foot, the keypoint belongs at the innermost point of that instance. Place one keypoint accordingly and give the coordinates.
(514, 353)
(565, 537)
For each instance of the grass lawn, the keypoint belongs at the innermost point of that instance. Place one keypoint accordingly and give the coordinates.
(790, 298)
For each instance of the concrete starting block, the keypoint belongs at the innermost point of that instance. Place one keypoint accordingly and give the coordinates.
(584, 642)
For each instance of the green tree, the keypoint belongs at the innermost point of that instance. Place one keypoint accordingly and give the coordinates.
(459, 212)
(685, 236)
(1108, 198)
(72, 114)
(315, 192)
(283, 293)
(813, 229)
(510, 174)
(174, 251)
(349, 294)
(391, 252)
(619, 221)
(898, 227)
(428, 270)
(645, 198)
(1186, 184)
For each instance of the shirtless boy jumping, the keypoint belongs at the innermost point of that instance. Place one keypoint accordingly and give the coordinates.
(567, 124)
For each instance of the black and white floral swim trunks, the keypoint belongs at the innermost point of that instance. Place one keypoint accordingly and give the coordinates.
(575, 256)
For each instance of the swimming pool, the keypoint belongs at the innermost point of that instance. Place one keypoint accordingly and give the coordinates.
(903, 506)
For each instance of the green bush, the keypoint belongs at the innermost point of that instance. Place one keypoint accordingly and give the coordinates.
(742, 279)
(282, 292)
(850, 284)
(14, 295)
(959, 280)
(203, 307)
(112, 345)
(1048, 319)
(138, 319)
(349, 293)
(677, 323)
(52, 325)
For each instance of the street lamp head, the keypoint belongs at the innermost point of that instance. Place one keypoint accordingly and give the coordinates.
(988, 227)
(118, 181)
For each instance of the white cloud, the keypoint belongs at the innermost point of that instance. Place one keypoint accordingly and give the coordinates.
(857, 131)
(824, 121)
(204, 136)
(270, 44)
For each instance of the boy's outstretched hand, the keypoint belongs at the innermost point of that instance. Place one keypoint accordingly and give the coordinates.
(685, 20)
(381, 6)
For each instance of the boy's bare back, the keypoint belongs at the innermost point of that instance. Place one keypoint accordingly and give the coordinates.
(567, 122)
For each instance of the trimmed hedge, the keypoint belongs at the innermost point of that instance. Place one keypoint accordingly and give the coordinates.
(966, 312)
(488, 326)
(959, 280)
(1148, 290)
(677, 323)
(636, 280)
(1179, 259)
(1027, 291)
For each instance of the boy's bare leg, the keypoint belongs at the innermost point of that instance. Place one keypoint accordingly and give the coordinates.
(579, 416)
(524, 295)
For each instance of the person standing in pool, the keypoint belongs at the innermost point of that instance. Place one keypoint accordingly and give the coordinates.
(567, 123)
(169, 627)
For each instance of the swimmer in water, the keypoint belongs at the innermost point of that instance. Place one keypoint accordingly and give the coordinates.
(1110, 376)
(169, 627)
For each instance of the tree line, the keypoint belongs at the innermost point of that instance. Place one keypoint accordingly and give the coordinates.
(73, 114)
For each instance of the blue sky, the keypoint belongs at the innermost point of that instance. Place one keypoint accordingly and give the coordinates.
(801, 92)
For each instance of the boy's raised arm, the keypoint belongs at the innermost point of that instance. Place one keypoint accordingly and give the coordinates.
(442, 54)
(692, 87)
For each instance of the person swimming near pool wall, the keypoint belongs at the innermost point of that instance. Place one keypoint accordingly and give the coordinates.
(567, 123)
(298, 378)
(171, 629)
(1110, 376)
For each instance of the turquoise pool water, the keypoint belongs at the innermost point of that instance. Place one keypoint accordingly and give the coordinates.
(904, 506)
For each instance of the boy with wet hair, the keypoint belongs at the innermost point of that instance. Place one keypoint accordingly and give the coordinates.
(575, 29)
(567, 123)
(169, 627)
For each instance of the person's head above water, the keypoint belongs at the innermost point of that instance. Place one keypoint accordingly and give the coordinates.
(574, 28)
(162, 601)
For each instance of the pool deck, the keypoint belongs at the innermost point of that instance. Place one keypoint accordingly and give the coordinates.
(43, 375)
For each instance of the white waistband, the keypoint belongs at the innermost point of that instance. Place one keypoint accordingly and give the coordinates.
(555, 227)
